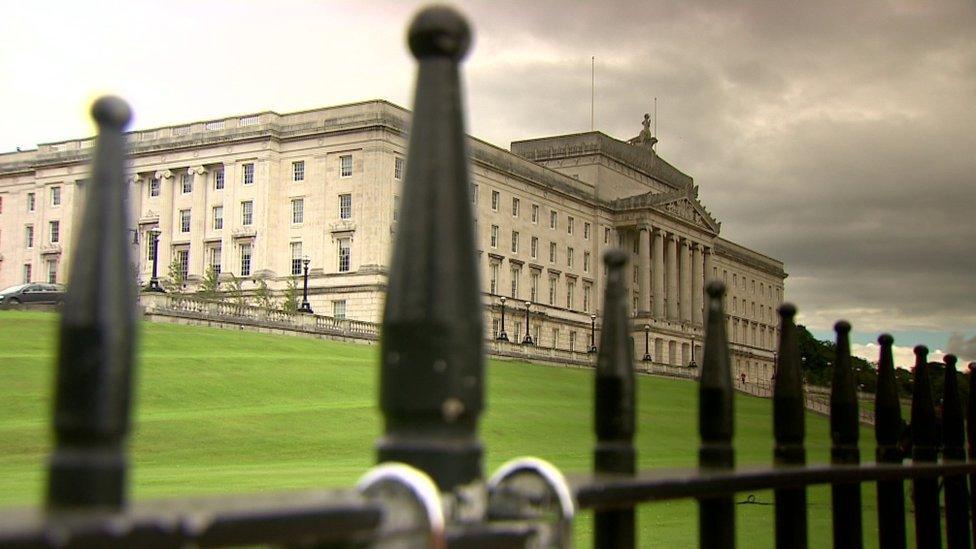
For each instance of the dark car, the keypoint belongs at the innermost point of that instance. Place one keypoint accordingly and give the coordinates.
(15, 296)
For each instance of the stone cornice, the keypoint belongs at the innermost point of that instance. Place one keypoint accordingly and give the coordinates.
(749, 258)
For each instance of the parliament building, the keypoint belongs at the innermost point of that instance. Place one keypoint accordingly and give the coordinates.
(252, 196)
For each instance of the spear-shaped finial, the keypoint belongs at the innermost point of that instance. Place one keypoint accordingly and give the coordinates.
(953, 436)
(95, 360)
(925, 449)
(789, 430)
(844, 430)
(888, 428)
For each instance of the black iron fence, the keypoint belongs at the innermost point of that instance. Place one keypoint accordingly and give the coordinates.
(430, 489)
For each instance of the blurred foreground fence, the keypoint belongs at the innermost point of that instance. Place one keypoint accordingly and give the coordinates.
(429, 489)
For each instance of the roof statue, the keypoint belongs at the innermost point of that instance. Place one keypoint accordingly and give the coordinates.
(644, 138)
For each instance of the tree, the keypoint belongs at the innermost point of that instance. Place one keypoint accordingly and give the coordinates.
(174, 281)
(290, 304)
(235, 290)
(210, 286)
(263, 296)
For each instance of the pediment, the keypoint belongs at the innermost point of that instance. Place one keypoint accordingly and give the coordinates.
(682, 204)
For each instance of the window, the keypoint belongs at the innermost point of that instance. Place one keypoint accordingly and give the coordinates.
(606, 235)
(27, 273)
(569, 225)
(534, 286)
(31, 202)
(55, 196)
(552, 219)
(184, 221)
(474, 193)
(398, 168)
(345, 206)
(570, 291)
(296, 258)
(515, 282)
(586, 262)
(215, 258)
(493, 239)
(493, 279)
(52, 271)
(344, 255)
(345, 165)
(535, 213)
(552, 252)
(29, 236)
(555, 336)
(396, 208)
(297, 210)
(572, 341)
(248, 173)
(534, 247)
(54, 231)
(339, 309)
(569, 257)
(218, 218)
(586, 298)
(515, 207)
(187, 182)
(153, 187)
(247, 212)
(183, 262)
(298, 171)
(150, 248)
(553, 282)
(515, 242)
(245, 260)
(586, 230)
(219, 178)
(496, 197)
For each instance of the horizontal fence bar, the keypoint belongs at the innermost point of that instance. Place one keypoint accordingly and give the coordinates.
(595, 492)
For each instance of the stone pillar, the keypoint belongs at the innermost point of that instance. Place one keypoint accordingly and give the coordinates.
(166, 216)
(685, 280)
(697, 285)
(198, 222)
(644, 270)
(658, 273)
(673, 277)
(707, 252)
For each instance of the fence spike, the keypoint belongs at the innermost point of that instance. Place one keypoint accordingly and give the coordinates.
(788, 429)
(715, 421)
(431, 379)
(615, 407)
(924, 449)
(953, 436)
(971, 447)
(93, 390)
(844, 431)
(888, 428)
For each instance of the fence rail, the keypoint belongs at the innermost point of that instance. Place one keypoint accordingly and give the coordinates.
(429, 489)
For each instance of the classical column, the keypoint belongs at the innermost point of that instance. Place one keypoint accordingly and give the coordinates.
(658, 273)
(685, 280)
(707, 252)
(697, 285)
(644, 270)
(673, 276)
(198, 222)
(166, 215)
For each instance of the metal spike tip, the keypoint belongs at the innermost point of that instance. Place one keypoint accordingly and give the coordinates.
(112, 111)
(885, 339)
(842, 327)
(787, 310)
(715, 288)
(614, 258)
(439, 31)
(921, 352)
(950, 360)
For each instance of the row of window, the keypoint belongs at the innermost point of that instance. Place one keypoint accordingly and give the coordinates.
(534, 217)
(52, 271)
(245, 251)
(247, 213)
(516, 335)
(54, 234)
(54, 192)
(534, 276)
(534, 248)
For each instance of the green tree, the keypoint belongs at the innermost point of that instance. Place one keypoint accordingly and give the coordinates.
(235, 290)
(290, 304)
(174, 281)
(263, 296)
(210, 286)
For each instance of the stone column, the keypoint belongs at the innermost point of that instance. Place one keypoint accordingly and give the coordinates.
(697, 285)
(658, 273)
(707, 252)
(673, 277)
(644, 270)
(198, 222)
(166, 216)
(685, 280)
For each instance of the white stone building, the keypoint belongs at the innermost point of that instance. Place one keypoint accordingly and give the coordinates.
(253, 195)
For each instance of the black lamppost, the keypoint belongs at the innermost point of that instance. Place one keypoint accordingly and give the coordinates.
(692, 363)
(647, 338)
(503, 336)
(592, 333)
(527, 340)
(154, 281)
(306, 307)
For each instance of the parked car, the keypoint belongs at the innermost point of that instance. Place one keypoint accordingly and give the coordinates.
(15, 296)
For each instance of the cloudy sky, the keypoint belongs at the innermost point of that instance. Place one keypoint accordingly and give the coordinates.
(838, 137)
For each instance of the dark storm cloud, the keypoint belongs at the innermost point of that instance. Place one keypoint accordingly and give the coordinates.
(837, 137)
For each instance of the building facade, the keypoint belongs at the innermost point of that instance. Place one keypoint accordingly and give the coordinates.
(252, 196)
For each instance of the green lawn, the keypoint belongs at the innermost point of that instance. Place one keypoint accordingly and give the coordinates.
(230, 411)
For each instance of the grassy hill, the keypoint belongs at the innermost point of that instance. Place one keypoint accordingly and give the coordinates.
(231, 411)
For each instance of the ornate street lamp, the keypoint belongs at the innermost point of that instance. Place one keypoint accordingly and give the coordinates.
(647, 338)
(527, 340)
(154, 281)
(503, 336)
(306, 306)
(692, 363)
(592, 333)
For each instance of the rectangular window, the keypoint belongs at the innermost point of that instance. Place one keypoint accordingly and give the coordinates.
(398, 168)
(586, 262)
(215, 258)
(184, 221)
(247, 212)
(586, 298)
(534, 247)
(555, 337)
(572, 341)
(496, 197)
(218, 218)
(606, 235)
(31, 202)
(534, 287)
(552, 252)
(54, 231)
(296, 258)
(55, 196)
(515, 207)
(586, 230)
(569, 257)
(535, 213)
(515, 242)
(339, 309)
(245, 260)
(493, 279)
(345, 165)
(344, 255)
(570, 291)
(474, 193)
(515, 282)
(219, 178)
(150, 248)
(552, 219)
(183, 262)
(396, 208)
(52, 271)
(553, 282)
(187, 182)
(345, 206)
(298, 171)
(29, 236)
(298, 210)
(154, 187)
(27, 273)
(569, 225)
(494, 236)
(248, 173)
